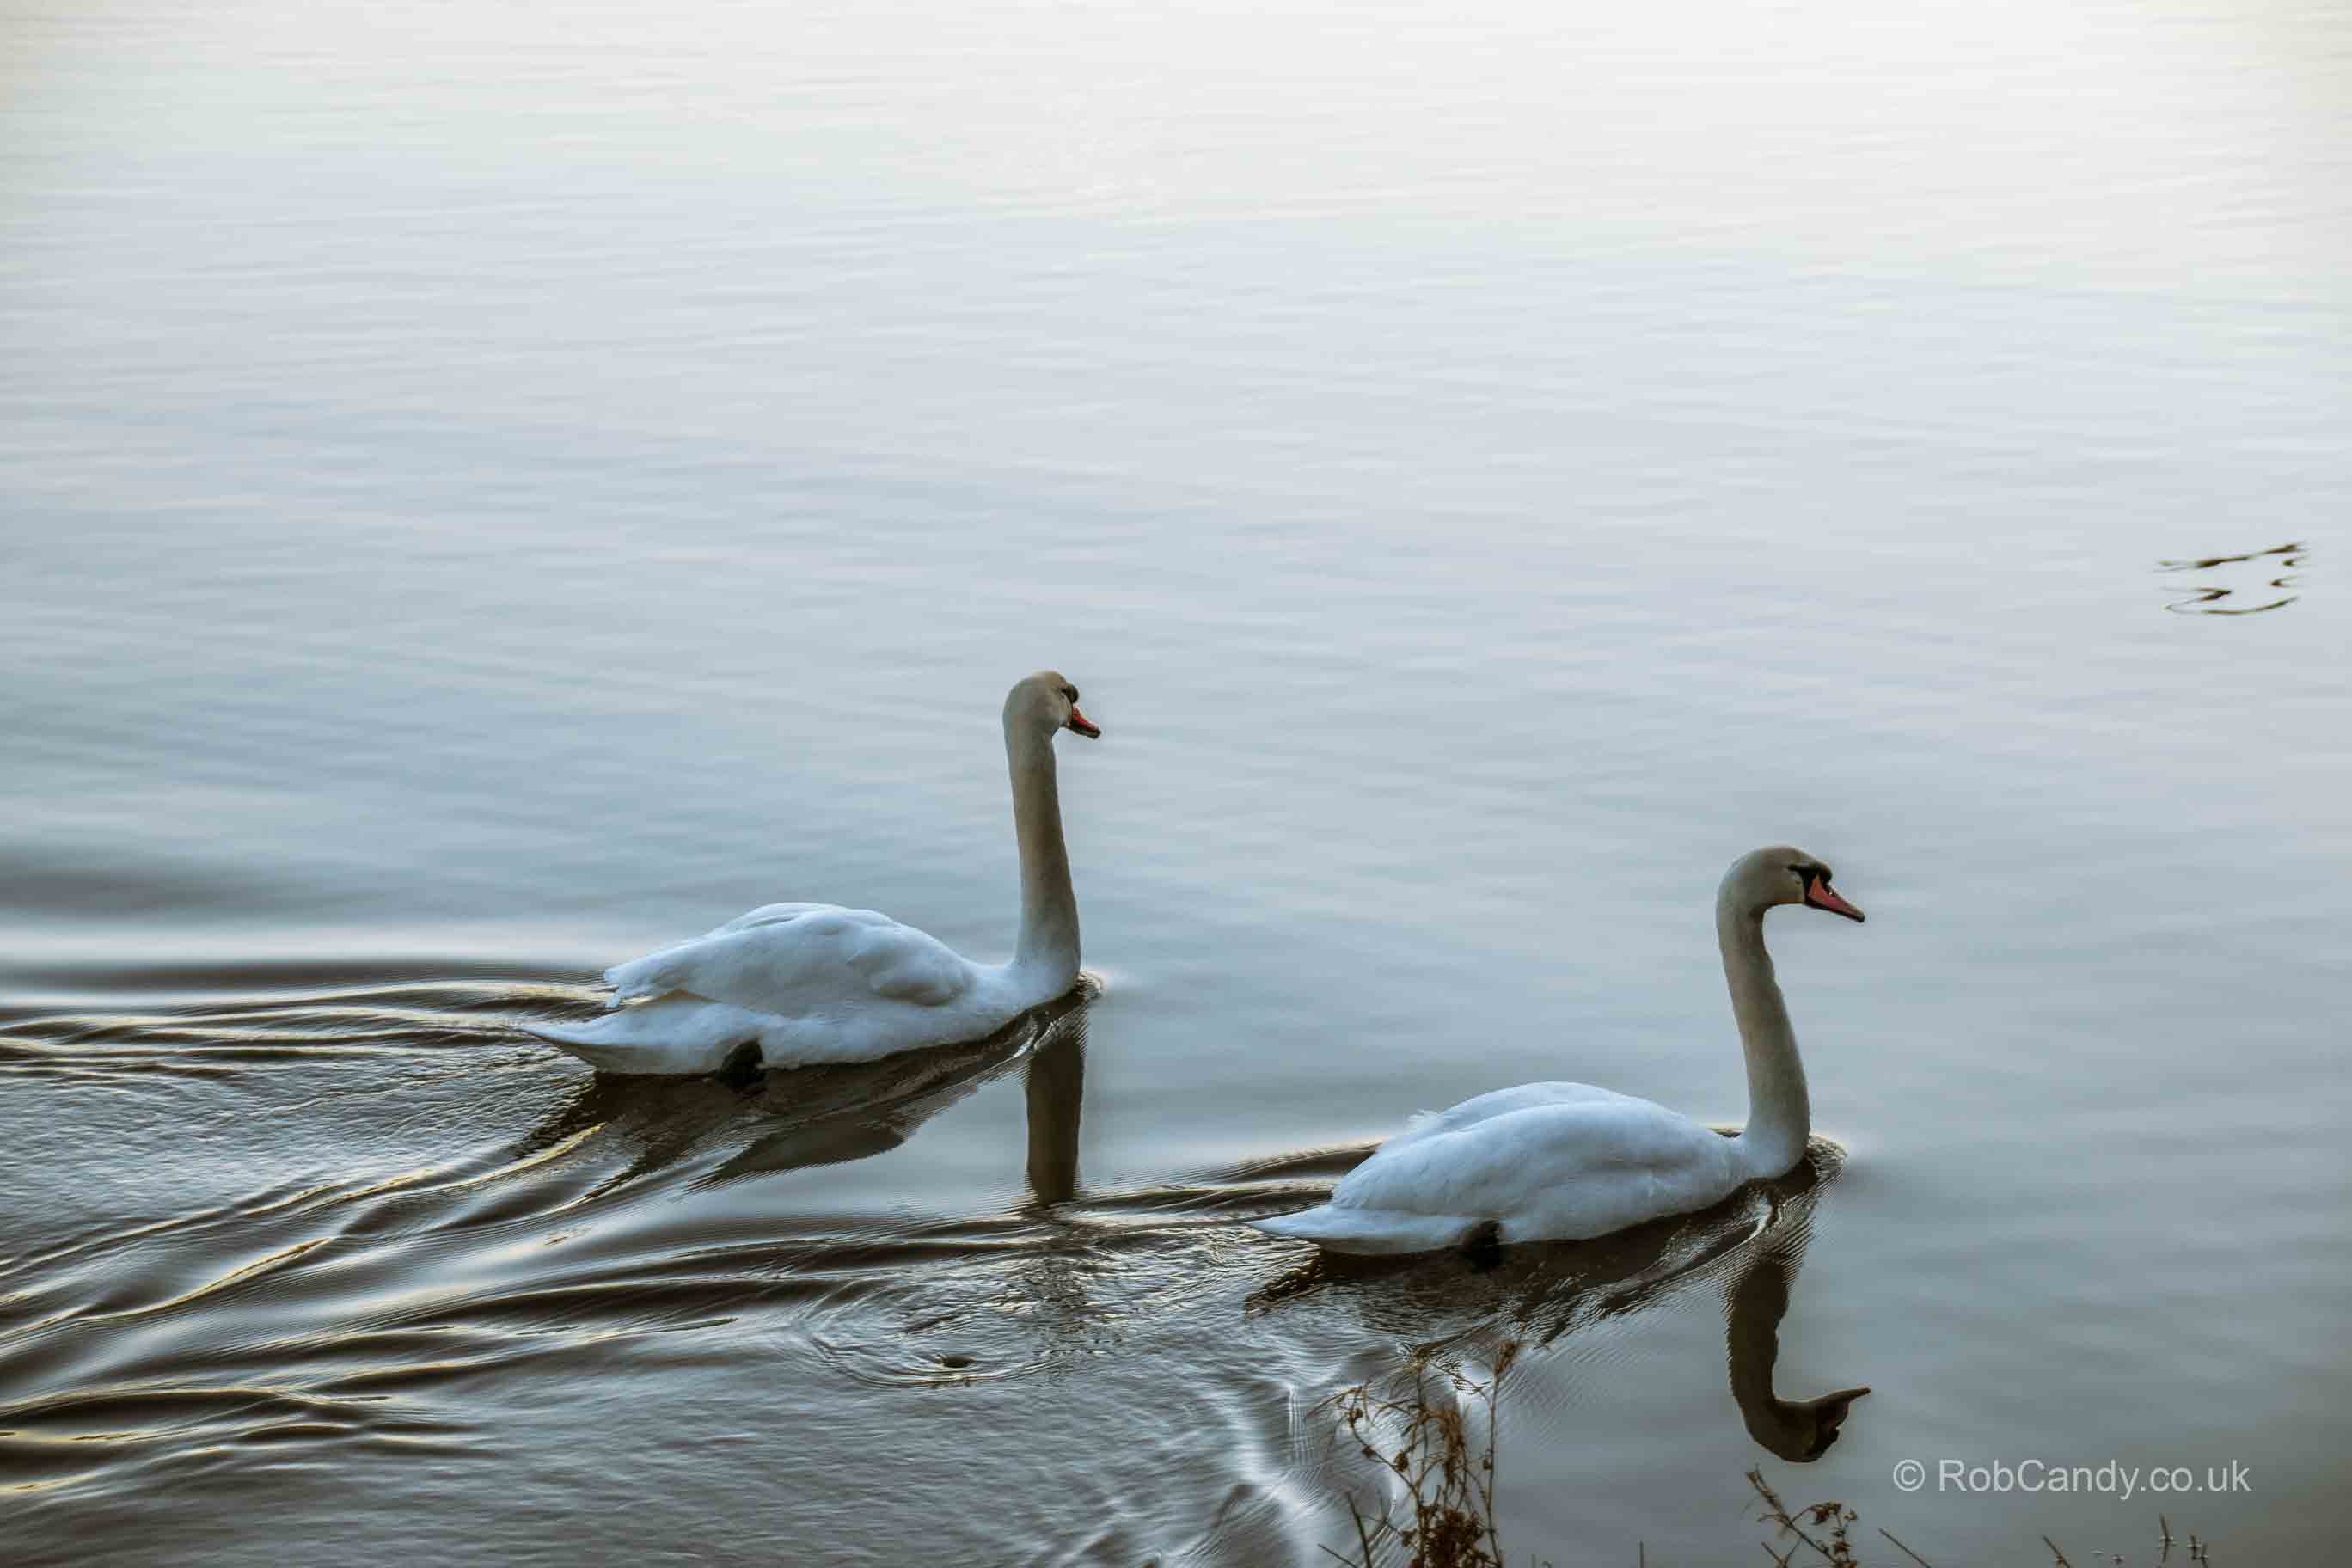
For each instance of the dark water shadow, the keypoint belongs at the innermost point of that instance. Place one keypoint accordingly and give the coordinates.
(2208, 599)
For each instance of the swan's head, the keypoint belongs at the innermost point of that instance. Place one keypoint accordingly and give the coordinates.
(1046, 701)
(1802, 1430)
(1782, 874)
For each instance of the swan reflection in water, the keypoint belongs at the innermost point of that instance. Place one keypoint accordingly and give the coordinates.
(1447, 1307)
(1055, 1085)
(826, 1115)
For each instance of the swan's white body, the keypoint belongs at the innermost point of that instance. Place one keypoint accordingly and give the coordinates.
(809, 982)
(817, 983)
(1564, 1161)
(1545, 1161)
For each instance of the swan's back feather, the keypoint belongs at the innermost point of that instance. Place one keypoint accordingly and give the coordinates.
(793, 960)
(768, 915)
(639, 976)
(1453, 1118)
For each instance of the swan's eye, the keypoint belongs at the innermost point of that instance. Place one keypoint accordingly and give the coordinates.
(1071, 692)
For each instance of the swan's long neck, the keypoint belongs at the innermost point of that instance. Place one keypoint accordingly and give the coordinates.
(1780, 1117)
(1049, 908)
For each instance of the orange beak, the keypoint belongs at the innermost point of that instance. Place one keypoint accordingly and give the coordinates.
(1819, 895)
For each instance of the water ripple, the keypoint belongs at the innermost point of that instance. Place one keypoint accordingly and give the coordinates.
(2209, 599)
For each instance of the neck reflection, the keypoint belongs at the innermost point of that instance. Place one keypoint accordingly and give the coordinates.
(1055, 1085)
(1800, 1430)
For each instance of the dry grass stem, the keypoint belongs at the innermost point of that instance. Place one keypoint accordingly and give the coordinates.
(1906, 1551)
(1444, 1514)
(1835, 1551)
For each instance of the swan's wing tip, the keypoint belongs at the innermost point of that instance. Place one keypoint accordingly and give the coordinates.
(1370, 1231)
(1299, 1226)
(630, 1042)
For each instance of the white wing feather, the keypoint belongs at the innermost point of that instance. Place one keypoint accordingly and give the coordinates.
(794, 959)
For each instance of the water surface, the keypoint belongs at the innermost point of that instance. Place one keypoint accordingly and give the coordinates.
(487, 493)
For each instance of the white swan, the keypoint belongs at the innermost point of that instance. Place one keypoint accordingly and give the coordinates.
(816, 983)
(1562, 1161)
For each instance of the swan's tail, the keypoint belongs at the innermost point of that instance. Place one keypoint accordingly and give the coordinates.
(674, 1034)
(1373, 1231)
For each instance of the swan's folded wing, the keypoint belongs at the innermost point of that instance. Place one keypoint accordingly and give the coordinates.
(770, 914)
(906, 964)
(820, 961)
(654, 973)
(1508, 1163)
(1426, 1124)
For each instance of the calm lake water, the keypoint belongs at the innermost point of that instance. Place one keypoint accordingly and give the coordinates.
(488, 490)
